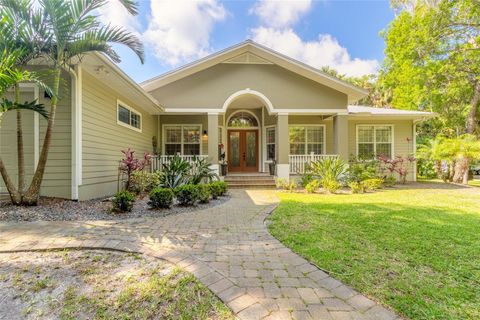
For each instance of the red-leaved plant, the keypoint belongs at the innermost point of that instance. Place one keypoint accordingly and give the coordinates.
(129, 164)
(397, 165)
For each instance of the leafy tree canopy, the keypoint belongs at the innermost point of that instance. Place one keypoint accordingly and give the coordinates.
(433, 62)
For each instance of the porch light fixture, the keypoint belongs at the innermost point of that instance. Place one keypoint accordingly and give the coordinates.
(205, 135)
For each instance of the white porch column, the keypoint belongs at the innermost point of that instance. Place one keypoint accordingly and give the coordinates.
(340, 134)
(283, 146)
(213, 141)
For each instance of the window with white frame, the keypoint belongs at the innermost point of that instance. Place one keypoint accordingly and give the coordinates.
(307, 139)
(129, 117)
(270, 142)
(374, 140)
(182, 139)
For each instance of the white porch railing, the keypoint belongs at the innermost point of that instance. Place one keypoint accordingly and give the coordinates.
(157, 162)
(298, 162)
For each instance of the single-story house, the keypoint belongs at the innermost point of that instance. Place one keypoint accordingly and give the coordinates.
(249, 102)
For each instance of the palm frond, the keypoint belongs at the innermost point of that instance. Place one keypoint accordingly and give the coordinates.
(7, 105)
(100, 40)
(130, 5)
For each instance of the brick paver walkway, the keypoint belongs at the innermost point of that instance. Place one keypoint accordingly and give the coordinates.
(227, 247)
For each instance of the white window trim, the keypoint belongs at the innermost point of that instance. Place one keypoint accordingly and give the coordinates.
(375, 137)
(306, 142)
(120, 123)
(265, 144)
(242, 128)
(164, 136)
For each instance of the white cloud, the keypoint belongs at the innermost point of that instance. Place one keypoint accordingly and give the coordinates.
(115, 14)
(325, 51)
(280, 13)
(179, 31)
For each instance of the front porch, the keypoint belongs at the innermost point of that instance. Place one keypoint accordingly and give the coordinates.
(297, 163)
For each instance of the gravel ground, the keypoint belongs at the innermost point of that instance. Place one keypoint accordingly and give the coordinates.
(54, 209)
(97, 284)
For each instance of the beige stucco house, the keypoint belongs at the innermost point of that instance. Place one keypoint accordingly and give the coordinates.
(247, 101)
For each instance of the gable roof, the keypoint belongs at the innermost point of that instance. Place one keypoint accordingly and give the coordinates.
(263, 55)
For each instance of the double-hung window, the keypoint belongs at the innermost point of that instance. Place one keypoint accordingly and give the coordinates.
(307, 139)
(270, 142)
(374, 140)
(128, 117)
(182, 139)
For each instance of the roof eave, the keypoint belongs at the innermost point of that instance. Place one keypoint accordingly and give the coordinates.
(155, 105)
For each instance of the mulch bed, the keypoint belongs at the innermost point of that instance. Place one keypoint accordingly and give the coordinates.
(55, 209)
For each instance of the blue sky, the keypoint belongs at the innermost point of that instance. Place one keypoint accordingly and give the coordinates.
(341, 34)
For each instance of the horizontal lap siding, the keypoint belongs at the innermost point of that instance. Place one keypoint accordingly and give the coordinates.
(403, 137)
(103, 139)
(58, 172)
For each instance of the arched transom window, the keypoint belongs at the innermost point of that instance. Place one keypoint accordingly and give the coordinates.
(242, 120)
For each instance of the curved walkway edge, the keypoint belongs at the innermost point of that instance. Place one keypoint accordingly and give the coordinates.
(228, 248)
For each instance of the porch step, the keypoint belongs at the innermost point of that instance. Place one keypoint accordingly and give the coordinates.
(250, 181)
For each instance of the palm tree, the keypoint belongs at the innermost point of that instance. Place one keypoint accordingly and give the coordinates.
(434, 150)
(468, 150)
(71, 29)
(11, 76)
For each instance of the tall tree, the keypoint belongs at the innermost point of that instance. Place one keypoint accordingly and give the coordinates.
(433, 61)
(73, 30)
(11, 76)
(22, 28)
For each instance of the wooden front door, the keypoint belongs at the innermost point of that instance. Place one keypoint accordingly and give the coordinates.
(243, 150)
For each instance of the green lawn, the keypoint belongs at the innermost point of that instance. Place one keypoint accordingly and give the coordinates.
(414, 249)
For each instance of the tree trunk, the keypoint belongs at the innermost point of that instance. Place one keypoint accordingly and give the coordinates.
(471, 123)
(20, 148)
(461, 171)
(32, 194)
(15, 196)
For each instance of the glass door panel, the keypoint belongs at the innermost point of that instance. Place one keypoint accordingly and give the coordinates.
(234, 161)
(251, 149)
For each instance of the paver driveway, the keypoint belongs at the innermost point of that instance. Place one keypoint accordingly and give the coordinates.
(227, 247)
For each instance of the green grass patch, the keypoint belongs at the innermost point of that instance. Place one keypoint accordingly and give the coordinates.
(415, 250)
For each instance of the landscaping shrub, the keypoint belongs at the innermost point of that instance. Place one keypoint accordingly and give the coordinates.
(161, 198)
(223, 187)
(306, 177)
(357, 187)
(204, 193)
(123, 201)
(215, 189)
(390, 181)
(202, 172)
(312, 186)
(174, 173)
(360, 170)
(330, 184)
(373, 184)
(144, 182)
(285, 184)
(130, 164)
(331, 171)
(187, 195)
(218, 188)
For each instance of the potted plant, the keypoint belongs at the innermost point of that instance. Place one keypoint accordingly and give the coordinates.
(223, 164)
(271, 167)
